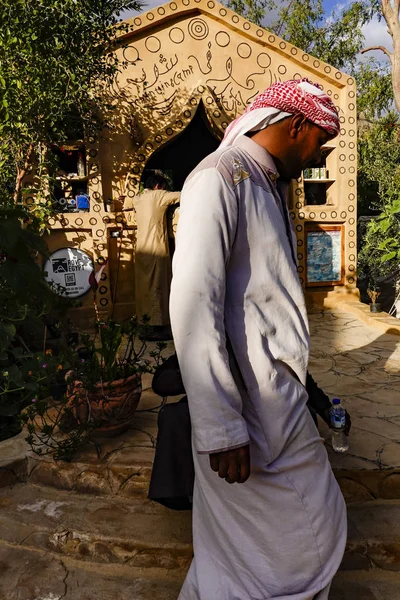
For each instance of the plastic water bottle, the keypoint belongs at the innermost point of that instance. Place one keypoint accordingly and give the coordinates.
(340, 441)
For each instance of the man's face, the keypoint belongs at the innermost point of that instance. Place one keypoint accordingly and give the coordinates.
(306, 151)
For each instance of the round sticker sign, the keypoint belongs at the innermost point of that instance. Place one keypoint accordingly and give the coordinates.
(68, 271)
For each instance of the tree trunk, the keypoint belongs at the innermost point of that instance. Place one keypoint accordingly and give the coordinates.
(21, 172)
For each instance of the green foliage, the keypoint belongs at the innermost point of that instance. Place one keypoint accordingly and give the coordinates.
(53, 71)
(335, 39)
(55, 63)
(379, 164)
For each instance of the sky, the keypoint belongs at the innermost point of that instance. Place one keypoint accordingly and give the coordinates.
(375, 32)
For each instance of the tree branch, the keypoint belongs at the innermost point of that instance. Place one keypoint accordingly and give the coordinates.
(382, 48)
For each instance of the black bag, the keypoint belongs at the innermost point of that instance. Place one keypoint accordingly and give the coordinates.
(172, 477)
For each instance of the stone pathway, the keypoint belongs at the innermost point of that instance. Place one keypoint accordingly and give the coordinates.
(86, 531)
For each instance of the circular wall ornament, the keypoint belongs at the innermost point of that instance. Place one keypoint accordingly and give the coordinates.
(93, 221)
(222, 39)
(263, 60)
(222, 12)
(282, 69)
(282, 45)
(198, 29)
(176, 35)
(152, 44)
(299, 242)
(161, 10)
(244, 50)
(68, 271)
(103, 301)
(235, 19)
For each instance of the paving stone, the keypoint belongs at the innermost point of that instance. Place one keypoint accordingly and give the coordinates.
(371, 585)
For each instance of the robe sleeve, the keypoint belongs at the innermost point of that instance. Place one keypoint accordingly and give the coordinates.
(206, 232)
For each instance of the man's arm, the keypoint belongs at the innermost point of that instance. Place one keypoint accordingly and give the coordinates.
(206, 231)
(320, 402)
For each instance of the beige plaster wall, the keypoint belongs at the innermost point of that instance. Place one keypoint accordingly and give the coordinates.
(180, 54)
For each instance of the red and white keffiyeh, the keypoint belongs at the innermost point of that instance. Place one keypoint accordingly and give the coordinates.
(281, 100)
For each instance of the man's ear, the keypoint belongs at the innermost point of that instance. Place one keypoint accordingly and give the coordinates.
(298, 124)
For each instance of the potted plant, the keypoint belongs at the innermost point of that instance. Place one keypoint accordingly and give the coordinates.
(373, 294)
(105, 383)
(103, 389)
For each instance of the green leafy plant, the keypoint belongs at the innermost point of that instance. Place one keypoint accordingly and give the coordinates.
(111, 355)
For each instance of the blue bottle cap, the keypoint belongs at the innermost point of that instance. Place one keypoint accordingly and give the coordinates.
(336, 401)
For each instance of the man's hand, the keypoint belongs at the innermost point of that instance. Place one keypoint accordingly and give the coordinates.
(232, 465)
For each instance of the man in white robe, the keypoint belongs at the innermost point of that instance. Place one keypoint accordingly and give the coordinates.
(279, 532)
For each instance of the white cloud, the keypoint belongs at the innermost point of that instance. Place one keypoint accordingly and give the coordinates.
(376, 34)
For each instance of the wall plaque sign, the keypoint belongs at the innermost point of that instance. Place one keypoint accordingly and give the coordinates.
(325, 249)
(68, 270)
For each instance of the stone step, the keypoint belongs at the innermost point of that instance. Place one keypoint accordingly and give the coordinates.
(110, 478)
(106, 530)
(359, 585)
(131, 477)
(140, 533)
(31, 574)
(373, 536)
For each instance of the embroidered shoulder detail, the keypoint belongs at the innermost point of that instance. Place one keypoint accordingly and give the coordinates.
(239, 173)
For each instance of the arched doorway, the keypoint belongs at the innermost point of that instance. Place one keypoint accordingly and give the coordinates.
(180, 156)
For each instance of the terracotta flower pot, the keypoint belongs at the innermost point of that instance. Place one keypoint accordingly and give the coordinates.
(110, 405)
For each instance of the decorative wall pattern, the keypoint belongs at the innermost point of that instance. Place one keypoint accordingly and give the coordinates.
(191, 51)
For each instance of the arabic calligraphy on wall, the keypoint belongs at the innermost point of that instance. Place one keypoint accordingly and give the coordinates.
(194, 52)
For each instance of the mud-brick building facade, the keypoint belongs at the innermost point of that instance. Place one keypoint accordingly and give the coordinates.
(191, 66)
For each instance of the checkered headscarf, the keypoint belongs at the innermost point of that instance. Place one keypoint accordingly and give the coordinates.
(281, 100)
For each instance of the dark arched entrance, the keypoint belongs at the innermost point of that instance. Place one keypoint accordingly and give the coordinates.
(180, 156)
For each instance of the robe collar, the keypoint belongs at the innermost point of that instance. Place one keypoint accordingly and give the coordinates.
(259, 154)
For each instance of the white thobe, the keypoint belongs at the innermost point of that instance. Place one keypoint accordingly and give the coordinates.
(280, 535)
